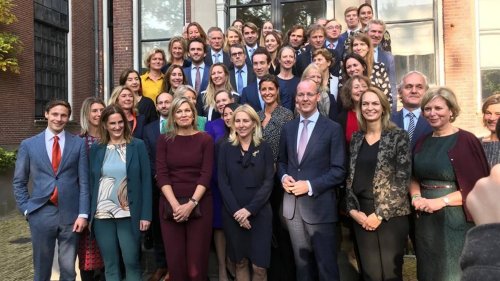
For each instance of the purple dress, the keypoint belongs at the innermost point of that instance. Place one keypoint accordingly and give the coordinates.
(217, 130)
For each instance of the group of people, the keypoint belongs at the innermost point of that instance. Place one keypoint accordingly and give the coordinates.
(260, 141)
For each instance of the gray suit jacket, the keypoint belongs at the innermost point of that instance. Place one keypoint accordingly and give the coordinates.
(71, 179)
(322, 164)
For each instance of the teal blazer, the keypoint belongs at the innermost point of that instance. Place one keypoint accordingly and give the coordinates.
(139, 185)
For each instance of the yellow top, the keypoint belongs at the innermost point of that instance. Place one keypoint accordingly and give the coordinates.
(150, 87)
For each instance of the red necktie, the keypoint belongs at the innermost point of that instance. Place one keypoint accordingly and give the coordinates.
(56, 160)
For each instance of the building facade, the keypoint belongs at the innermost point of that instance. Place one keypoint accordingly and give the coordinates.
(75, 49)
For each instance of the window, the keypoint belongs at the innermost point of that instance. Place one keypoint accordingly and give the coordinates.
(51, 53)
(489, 36)
(160, 21)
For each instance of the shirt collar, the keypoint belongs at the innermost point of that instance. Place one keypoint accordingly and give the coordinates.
(415, 111)
(49, 135)
(313, 118)
(201, 66)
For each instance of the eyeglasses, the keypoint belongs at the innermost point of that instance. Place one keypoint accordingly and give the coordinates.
(332, 27)
(303, 95)
(237, 54)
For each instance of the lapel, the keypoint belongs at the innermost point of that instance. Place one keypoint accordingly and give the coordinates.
(69, 145)
(187, 73)
(43, 153)
(315, 136)
(99, 157)
(130, 153)
(293, 138)
(399, 119)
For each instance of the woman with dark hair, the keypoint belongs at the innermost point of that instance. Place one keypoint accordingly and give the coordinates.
(272, 42)
(218, 131)
(124, 97)
(120, 191)
(238, 23)
(267, 27)
(324, 59)
(446, 165)
(491, 114)
(377, 188)
(90, 260)
(219, 80)
(350, 96)
(145, 105)
(177, 53)
(174, 77)
(194, 30)
(246, 171)
(286, 79)
(184, 162)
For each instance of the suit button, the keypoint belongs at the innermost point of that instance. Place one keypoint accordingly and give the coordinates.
(57, 178)
(130, 203)
(298, 170)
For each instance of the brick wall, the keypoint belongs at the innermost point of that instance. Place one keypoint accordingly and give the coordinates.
(122, 37)
(460, 64)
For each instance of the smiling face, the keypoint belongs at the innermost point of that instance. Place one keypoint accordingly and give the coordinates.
(197, 52)
(184, 116)
(307, 98)
(321, 62)
(250, 36)
(360, 47)
(267, 27)
(354, 67)
(365, 15)
(95, 114)
(269, 92)
(133, 82)
(243, 125)
(115, 126)
(271, 43)
(156, 62)
(232, 38)
(177, 51)
(176, 78)
(221, 100)
(371, 108)
(297, 38)
(287, 58)
(193, 32)
(125, 100)
(57, 118)
(491, 116)
(358, 87)
(218, 76)
(260, 65)
(376, 33)
(412, 91)
(437, 113)
(227, 115)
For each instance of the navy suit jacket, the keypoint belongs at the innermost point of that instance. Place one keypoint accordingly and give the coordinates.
(305, 58)
(250, 95)
(150, 136)
(422, 127)
(71, 178)
(232, 77)
(225, 59)
(138, 181)
(204, 78)
(388, 60)
(323, 164)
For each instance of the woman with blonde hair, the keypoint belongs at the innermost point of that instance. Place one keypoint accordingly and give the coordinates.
(152, 80)
(190, 93)
(246, 174)
(219, 80)
(491, 114)
(233, 36)
(184, 162)
(124, 97)
(267, 27)
(177, 53)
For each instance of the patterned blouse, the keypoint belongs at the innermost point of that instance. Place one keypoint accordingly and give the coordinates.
(492, 151)
(272, 131)
(112, 200)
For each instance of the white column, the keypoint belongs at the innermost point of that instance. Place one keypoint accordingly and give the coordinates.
(221, 13)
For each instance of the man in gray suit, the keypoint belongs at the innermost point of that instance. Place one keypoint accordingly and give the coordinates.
(311, 165)
(58, 206)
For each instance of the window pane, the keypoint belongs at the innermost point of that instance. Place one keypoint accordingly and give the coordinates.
(161, 18)
(303, 13)
(488, 45)
(488, 9)
(393, 10)
(490, 81)
(147, 46)
(258, 15)
(246, 2)
(420, 56)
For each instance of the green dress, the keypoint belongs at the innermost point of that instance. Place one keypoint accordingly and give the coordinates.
(439, 236)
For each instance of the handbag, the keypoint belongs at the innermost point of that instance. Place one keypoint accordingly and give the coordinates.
(168, 213)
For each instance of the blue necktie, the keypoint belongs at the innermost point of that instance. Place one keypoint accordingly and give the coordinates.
(240, 82)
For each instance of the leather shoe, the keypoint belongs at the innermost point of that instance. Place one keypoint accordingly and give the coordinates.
(159, 274)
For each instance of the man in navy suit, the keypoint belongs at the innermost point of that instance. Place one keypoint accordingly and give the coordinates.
(311, 165)
(332, 42)
(316, 35)
(58, 206)
(251, 37)
(296, 37)
(215, 53)
(151, 133)
(411, 91)
(352, 22)
(261, 60)
(198, 71)
(376, 30)
(242, 73)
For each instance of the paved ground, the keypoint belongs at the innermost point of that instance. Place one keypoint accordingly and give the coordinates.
(16, 263)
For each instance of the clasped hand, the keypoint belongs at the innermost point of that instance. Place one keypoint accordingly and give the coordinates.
(296, 188)
(428, 205)
(182, 212)
(241, 216)
(369, 223)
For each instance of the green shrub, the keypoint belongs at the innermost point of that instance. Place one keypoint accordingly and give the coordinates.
(7, 159)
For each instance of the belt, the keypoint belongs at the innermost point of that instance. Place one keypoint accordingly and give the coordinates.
(426, 186)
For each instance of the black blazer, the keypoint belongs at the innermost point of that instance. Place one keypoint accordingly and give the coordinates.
(225, 59)
(150, 136)
(422, 127)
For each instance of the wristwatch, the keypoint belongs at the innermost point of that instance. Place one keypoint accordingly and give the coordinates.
(446, 201)
(194, 201)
